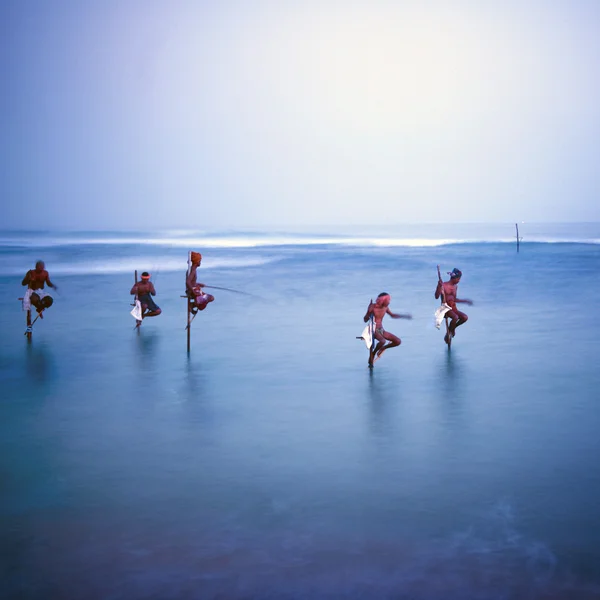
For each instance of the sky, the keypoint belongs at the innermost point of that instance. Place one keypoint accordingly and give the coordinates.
(258, 115)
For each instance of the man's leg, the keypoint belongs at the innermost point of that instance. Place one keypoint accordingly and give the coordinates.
(371, 357)
(393, 341)
(461, 319)
(36, 301)
(152, 308)
(380, 343)
(203, 300)
(453, 316)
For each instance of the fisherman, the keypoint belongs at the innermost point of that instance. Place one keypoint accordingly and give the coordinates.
(379, 309)
(35, 279)
(200, 299)
(144, 290)
(450, 291)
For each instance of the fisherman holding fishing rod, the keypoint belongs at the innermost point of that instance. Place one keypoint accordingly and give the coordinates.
(194, 289)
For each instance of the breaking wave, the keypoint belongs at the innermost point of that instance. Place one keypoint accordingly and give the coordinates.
(128, 265)
(261, 240)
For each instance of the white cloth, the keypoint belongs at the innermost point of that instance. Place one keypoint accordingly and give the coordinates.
(440, 313)
(136, 313)
(27, 297)
(367, 334)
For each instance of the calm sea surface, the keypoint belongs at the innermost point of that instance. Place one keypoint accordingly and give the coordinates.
(269, 462)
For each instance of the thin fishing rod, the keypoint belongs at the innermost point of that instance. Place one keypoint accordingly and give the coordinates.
(216, 287)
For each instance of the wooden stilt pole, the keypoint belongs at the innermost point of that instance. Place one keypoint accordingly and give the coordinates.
(135, 298)
(189, 322)
(518, 238)
(189, 329)
(443, 299)
(29, 330)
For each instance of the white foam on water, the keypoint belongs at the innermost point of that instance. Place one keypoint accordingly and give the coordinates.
(255, 241)
(130, 264)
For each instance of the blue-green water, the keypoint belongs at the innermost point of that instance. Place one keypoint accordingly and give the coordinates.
(270, 463)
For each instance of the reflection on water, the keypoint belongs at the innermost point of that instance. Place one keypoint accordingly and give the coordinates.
(192, 374)
(193, 388)
(382, 394)
(451, 376)
(39, 364)
(194, 392)
(146, 346)
(146, 342)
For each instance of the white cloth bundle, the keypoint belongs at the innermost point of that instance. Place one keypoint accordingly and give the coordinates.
(27, 297)
(440, 313)
(367, 334)
(136, 313)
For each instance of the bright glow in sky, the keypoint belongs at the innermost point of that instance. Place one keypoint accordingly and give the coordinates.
(256, 114)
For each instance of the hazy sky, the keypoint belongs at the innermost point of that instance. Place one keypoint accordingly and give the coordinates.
(135, 114)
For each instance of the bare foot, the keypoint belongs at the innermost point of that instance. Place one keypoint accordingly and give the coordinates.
(137, 322)
(371, 355)
(40, 315)
(379, 354)
(446, 338)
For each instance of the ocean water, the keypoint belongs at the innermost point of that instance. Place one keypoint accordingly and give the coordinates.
(269, 462)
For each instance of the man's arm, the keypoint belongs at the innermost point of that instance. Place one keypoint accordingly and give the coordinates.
(369, 311)
(465, 301)
(438, 290)
(152, 290)
(50, 284)
(398, 316)
(27, 278)
(133, 291)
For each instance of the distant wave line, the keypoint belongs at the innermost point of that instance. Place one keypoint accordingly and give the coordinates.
(129, 265)
(260, 242)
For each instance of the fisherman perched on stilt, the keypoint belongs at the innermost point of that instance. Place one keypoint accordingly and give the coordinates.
(144, 290)
(36, 296)
(449, 290)
(378, 310)
(199, 299)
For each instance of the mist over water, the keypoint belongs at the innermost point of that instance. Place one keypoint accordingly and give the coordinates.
(269, 463)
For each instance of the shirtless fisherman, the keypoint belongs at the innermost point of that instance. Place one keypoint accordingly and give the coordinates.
(193, 288)
(379, 310)
(456, 317)
(144, 290)
(35, 279)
